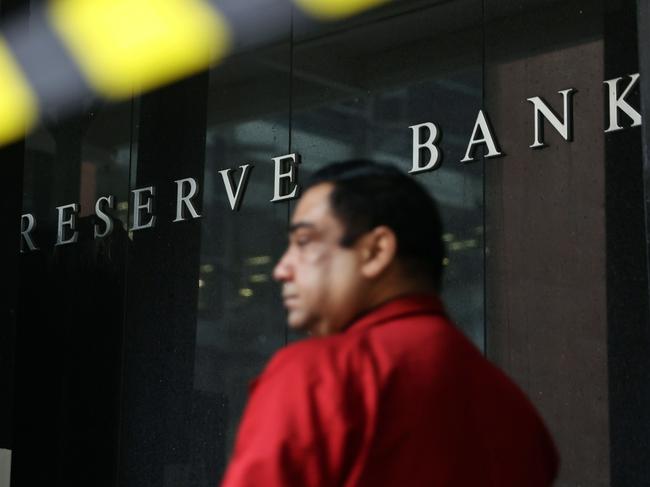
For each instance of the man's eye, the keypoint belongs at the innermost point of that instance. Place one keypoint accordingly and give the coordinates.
(301, 242)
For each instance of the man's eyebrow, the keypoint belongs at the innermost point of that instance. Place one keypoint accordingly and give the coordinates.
(297, 226)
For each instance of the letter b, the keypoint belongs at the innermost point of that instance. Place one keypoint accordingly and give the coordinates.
(435, 154)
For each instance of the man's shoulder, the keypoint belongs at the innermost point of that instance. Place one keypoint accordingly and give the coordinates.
(354, 344)
(316, 358)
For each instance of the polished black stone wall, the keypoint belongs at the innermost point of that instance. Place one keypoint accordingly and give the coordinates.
(627, 271)
(11, 157)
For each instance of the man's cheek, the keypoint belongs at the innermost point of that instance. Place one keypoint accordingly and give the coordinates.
(317, 255)
(312, 284)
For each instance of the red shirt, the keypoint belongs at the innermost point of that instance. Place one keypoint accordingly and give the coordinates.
(401, 398)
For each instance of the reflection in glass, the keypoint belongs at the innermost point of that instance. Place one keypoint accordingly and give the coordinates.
(356, 98)
(240, 319)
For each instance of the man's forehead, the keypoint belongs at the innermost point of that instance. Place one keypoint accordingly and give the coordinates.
(313, 207)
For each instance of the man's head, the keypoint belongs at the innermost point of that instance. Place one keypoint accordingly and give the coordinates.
(361, 234)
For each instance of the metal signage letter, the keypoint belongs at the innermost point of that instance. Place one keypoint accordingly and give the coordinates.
(235, 198)
(138, 207)
(70, 222)
(617, 103)
(182, 199)
(289, 175)
(564, 128)
(27, 224)
(108, 221)
(435, 154)
(487, 138)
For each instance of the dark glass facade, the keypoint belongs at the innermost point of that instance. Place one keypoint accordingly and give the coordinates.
(126, 358)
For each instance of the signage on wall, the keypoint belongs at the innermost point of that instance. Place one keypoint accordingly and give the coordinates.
(426, 156)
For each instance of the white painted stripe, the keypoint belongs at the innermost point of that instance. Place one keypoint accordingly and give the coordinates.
(5, 467)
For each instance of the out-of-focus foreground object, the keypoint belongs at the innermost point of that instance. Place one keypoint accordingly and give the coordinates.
(70, 52)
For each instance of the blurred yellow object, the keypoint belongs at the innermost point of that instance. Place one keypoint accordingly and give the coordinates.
(336, 9)
(18, 106)
(128, 46)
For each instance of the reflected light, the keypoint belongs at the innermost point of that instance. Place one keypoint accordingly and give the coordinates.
(259, 260)
(201, 283)
(256, 278)
(207, 268)
(463, 244)
(246, 292)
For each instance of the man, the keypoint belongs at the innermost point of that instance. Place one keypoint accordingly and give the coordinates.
(387, 392)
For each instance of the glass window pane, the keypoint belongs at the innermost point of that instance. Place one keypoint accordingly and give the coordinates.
(357, 91)
(241, 320)
(204, 315)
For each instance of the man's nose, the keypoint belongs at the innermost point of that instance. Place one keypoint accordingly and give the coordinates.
(282, 270)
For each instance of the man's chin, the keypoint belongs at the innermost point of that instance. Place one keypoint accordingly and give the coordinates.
(298, 322)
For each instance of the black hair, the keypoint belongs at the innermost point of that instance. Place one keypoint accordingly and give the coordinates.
(367, 194)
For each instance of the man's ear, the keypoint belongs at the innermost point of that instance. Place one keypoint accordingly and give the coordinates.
(378, 250)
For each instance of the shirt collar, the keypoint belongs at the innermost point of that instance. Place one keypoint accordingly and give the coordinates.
(397, 308)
